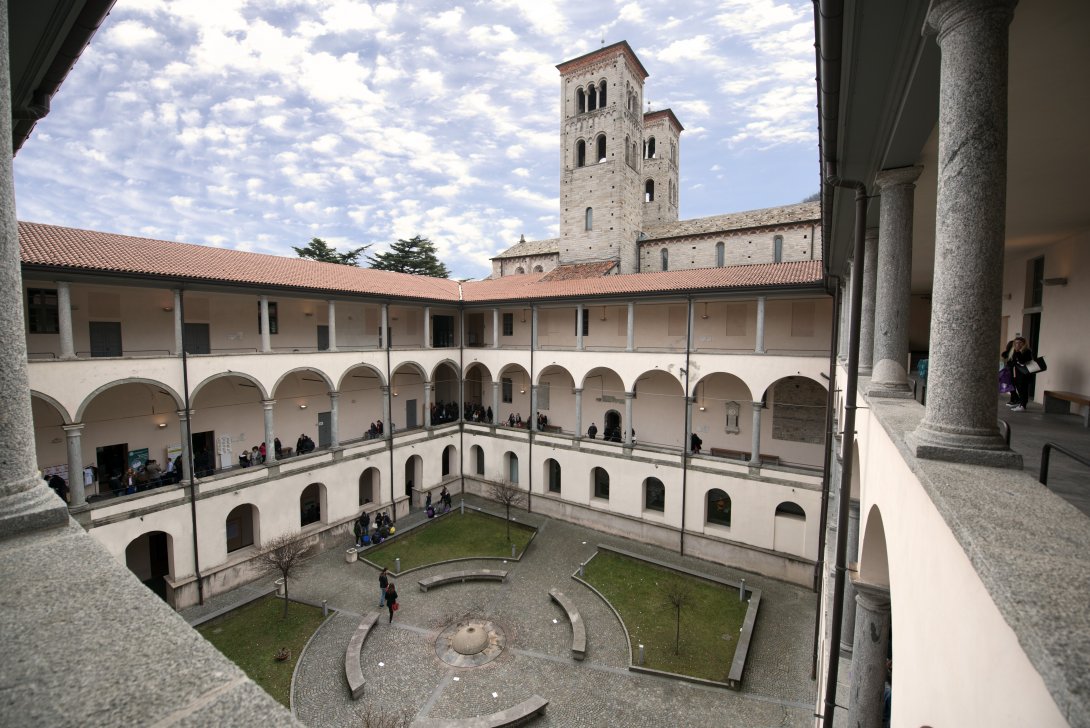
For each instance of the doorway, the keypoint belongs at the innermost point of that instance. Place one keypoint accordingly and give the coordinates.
(204, 453)
(105, 338)
(196, 339)
(410, 414)
(325, 429)
(613, 427)
(112, 460)
(323, 338)
(148, 557)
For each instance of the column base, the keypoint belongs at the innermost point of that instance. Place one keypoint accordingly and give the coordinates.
(31, 510)
(971, 449)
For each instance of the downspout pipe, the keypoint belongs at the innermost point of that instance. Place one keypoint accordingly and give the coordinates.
(850, 394)
(386, 335)
(829, 32)
(189, 464)
(531, 421)
(686, 426)
(461, 390)
(830, 403)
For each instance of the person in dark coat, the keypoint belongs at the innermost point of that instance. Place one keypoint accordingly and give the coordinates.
(391, 599)
(592, 431)
(58, 485)
(383, 584)
(695, 442)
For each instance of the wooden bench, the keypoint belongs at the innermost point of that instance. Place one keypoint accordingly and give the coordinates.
(722, 452)
(462, 576)
(524, 712)
(578, 627)
(1060, 403)
(353, 668)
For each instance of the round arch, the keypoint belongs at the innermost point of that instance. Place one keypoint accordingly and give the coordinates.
(370, 484)
(243, 527)
(475, 366)
(873, 559)
(312, 505)
(795, 379)
(60, 408)
(414, 473)
(658, 409)
(166, 389)
(717, 507)
(353, 371)
(441, 363)
(302, 370)
(409, 367)
(225, 375)
(451, 465)
(150, 556)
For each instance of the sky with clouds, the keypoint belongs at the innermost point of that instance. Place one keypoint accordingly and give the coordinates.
(259, 124)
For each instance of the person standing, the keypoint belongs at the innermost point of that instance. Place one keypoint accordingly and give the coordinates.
(1020, 356)
(391, 600)
(383, 585)
(592, 431)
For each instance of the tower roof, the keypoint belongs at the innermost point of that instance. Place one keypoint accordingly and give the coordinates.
(621, 48)
(661, 113)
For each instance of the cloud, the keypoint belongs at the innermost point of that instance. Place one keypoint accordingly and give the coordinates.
(131, 34)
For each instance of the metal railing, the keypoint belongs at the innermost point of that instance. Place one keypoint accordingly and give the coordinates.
(1046, 453)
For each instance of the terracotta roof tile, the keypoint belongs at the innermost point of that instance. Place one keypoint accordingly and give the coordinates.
(51, 245)
(576, 271)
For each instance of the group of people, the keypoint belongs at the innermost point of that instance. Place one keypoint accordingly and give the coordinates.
(304, 445)
(444, 499)
(1017, 359)
(368, 533)
(477, 413)
(374, 431)
(443, 412)
(611, 434)
(256, 456)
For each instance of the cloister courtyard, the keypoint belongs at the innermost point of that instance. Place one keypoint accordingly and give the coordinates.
(405, 676)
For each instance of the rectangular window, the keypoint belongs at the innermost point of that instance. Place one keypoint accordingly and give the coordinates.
(42, 310)
(273, 327)
(508, 324)
(508, 391)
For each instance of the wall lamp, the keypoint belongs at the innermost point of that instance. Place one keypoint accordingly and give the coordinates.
(162, 425)
(302, 406)
(168, 309)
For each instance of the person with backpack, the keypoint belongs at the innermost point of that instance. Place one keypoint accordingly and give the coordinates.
(391, 600)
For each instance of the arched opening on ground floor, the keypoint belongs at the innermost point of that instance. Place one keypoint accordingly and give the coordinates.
(654, 495)
(370, 486)
(552, 475)
(242, 527)
(476, 452)
(599, 482)
(312, 505)
(717, 508)
(414, 473)
(150, 556)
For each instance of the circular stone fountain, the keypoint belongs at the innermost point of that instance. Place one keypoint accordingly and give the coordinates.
(470, 643)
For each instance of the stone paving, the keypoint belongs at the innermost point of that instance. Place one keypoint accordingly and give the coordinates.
(404, 674)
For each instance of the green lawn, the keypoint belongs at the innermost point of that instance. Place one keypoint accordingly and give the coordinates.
(454, 536)
(710, 619)
(251, 636)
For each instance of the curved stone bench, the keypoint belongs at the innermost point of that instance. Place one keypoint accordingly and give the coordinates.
(353, 669)
(515, 715)
(453, 576)
(578, 627)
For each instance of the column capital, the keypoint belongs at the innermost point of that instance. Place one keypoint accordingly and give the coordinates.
(872, 597)
(385, 388)
(577, 390)
(333, 394)
(758, 405)
(182, 414)
(899, 177)
(947, 15)
(268, 403)
(73, 429)
(629, 395)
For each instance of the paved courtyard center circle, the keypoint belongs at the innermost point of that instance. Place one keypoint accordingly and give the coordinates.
(470, 643)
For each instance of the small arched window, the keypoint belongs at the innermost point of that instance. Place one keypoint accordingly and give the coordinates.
(665, 255)
(538, 269)
(649, 191)
(580, 153)
(592, 98)
(650, 148)
(520, 270)
(718, 507)
(627, 153)
(777, 249)
(602, 94)
(588, 223)
(793, 510)
(719, 254)
(654, 495)
(601, 148)
(600, 478)
(580, 101)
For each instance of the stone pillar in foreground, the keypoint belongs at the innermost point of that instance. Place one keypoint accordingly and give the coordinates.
(869, 658)
(960, 421)
(889, 375)
(870, 283)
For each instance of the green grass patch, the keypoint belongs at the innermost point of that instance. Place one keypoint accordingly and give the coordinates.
(251, 636)
(454, 536)
(711, 616)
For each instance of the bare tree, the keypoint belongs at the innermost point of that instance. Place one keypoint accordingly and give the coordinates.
(376, 717)
(281, 556)
(678, 594)
(507, 495)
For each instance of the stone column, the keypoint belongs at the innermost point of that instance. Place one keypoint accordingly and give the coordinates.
(384, 337)
(845, 315)
(266, 342)
(270, 431)
(690, 336)
(495, 328)
(531, 424)
(579, 326)
(533, 328)
(76, 495)
(495, 401)
(686, 446)
(759, 347)
(428, 387)
(334, 429)
(387, 429)
(631, 344)
(187, 445)
(332, 325)
(26, 502)
(889, 375)
(64, 320)
(427, 327)
(628, 424)
(578, 411)
(960, 421)
(847, 630)
(755, 456)
(179, 324)
(866, 318)
(869, 658)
